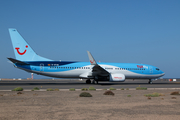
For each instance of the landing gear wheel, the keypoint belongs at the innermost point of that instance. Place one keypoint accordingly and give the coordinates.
(93, 82)
(150, 82)
(88, 81)
(96, 82)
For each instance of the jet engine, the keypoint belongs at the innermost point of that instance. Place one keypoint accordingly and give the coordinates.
(116, 77)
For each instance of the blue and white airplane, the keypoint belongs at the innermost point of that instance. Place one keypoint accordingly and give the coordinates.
(28, 60)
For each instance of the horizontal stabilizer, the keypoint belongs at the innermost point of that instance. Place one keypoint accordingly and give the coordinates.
(17, 61)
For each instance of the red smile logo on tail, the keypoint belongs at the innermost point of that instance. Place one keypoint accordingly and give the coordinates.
(91, 61)
(20, 52)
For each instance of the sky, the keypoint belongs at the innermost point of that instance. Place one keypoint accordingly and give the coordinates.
(122, 31)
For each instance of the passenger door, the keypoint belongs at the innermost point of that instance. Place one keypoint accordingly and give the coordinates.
(42, 67)
(151, 70)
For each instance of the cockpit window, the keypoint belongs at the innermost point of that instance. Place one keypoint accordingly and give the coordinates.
(157, 69)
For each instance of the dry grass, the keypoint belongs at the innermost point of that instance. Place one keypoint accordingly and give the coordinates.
(108, 93)
(56, 89)
(173, 97)
(19, 93)
(175, 93)
(155, 94)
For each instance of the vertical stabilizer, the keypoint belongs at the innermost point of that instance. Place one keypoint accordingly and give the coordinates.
(22, 50)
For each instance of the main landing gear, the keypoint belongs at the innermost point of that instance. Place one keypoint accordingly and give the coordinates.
(150, 81)
(97, 82)
(88, 81)
(93, 82)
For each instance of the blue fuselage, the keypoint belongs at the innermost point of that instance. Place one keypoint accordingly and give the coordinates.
(61, 69)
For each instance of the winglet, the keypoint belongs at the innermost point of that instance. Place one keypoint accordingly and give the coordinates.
(92, 61)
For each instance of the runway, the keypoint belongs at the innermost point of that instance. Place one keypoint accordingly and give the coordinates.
(77, 84)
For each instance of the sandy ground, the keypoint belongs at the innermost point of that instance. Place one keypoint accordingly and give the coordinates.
(67, 105)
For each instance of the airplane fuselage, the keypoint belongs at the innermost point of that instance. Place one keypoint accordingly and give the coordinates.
(66, 69)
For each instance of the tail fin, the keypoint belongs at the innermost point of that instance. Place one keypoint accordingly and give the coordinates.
(22, 50)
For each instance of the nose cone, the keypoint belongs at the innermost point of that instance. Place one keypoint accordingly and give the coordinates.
(162, 73)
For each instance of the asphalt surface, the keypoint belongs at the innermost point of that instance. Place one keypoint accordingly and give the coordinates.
(77, 84)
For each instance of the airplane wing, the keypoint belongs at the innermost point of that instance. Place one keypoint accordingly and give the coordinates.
(96, 69)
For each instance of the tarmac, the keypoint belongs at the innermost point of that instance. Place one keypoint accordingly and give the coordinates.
(66, 84)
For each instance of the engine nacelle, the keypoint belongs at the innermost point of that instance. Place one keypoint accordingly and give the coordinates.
(116, 77)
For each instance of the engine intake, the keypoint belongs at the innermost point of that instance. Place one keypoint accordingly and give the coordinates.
(116, 77)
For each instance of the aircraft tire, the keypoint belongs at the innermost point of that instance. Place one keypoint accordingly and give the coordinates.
(150, 82)
(96, 82)
(93, 82)
(88, 81)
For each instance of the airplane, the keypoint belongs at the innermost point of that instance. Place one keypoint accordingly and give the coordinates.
(93, 72)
